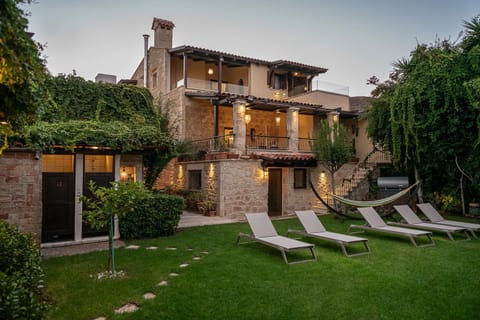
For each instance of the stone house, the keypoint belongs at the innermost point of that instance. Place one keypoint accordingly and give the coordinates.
(251, 122)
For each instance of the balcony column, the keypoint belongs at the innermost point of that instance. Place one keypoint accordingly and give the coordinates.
(332, 118)
(292, 129)
(239, 126)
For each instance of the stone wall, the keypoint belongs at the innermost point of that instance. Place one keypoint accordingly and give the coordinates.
(243, 187)
(21, 191)
(176, 112)
(167, 176)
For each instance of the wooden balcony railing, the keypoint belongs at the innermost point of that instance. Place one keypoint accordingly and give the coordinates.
(305, 144)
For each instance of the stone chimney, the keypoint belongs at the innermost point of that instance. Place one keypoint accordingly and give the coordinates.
(163, 33)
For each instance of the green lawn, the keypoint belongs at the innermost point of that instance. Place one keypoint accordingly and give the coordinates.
(397, 281)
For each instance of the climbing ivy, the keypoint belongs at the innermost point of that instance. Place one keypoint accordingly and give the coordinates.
(428, 111)
(84, 113)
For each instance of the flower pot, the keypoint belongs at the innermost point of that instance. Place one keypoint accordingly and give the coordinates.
(211, 213)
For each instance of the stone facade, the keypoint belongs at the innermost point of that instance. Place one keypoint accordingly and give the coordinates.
(243, 188)
(20, 191)
(239, 186)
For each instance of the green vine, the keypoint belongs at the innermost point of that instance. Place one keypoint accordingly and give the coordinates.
(83, 113)
(432, 104)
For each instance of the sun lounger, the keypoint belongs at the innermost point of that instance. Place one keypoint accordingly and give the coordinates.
(264, 232)
(432, 214)
(315, 229)
(413, 221)
(376, 223)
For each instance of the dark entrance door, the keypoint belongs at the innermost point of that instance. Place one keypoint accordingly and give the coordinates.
(58, 206)
(101, 180)
(274, 192)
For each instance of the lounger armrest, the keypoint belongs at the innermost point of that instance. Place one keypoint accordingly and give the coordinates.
(362, 228)
(244, 235)
(299, 232)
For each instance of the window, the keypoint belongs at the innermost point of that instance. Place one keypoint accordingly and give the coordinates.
(279, 81)
(299, 178)
(57, 163)
(194, 179)
(98, 163)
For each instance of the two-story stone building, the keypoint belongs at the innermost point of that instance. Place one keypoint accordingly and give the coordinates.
(251, 121)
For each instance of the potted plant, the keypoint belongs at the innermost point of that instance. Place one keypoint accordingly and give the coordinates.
(208, 207)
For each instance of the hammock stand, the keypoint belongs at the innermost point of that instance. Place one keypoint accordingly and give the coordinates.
(358, 203)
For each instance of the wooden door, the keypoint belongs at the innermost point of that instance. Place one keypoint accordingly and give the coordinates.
(274, 192)
(101, 180)
(58, 206)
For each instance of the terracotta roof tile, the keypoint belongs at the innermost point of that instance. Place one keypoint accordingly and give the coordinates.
(287, 156)
(283, 63)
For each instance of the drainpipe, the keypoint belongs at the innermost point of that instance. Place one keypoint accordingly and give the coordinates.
(145, 60)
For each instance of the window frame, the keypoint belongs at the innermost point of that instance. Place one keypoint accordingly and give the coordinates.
(190, 179)
(300, 184)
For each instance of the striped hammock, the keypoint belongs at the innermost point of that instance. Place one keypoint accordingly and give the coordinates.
(373, 203)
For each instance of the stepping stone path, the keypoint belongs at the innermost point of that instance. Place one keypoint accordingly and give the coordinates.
(149, 296)
(132, 307)
(127, 308)
(162, 283)
(132, 246)
(100, 318)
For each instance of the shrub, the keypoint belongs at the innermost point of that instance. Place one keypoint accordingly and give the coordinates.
(153, 218)
(21, 276)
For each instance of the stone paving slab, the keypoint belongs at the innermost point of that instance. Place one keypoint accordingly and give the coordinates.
(192, 219)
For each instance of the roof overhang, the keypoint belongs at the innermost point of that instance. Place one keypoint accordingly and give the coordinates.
(266, 104)
(291, 160)
(213, 56)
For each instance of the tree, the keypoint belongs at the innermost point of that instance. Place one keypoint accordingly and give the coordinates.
(22, 72)
(118, 200)
(425, 113)
(332, 147)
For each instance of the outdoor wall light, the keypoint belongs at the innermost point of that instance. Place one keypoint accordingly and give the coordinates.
(277, 121)
(335, 115)
(248, 118)
(210, 71)
(322, 174)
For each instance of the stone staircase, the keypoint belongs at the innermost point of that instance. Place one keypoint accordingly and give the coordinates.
(351, 176)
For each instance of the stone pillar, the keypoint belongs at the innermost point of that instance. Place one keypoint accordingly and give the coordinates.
(239, 127)
(292, 129)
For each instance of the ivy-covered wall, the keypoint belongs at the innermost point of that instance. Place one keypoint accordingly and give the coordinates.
(77, 112)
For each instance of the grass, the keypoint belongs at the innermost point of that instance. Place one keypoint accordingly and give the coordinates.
(397, 281)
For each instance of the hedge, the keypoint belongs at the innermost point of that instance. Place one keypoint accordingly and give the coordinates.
(21, 276)
(154, 218)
